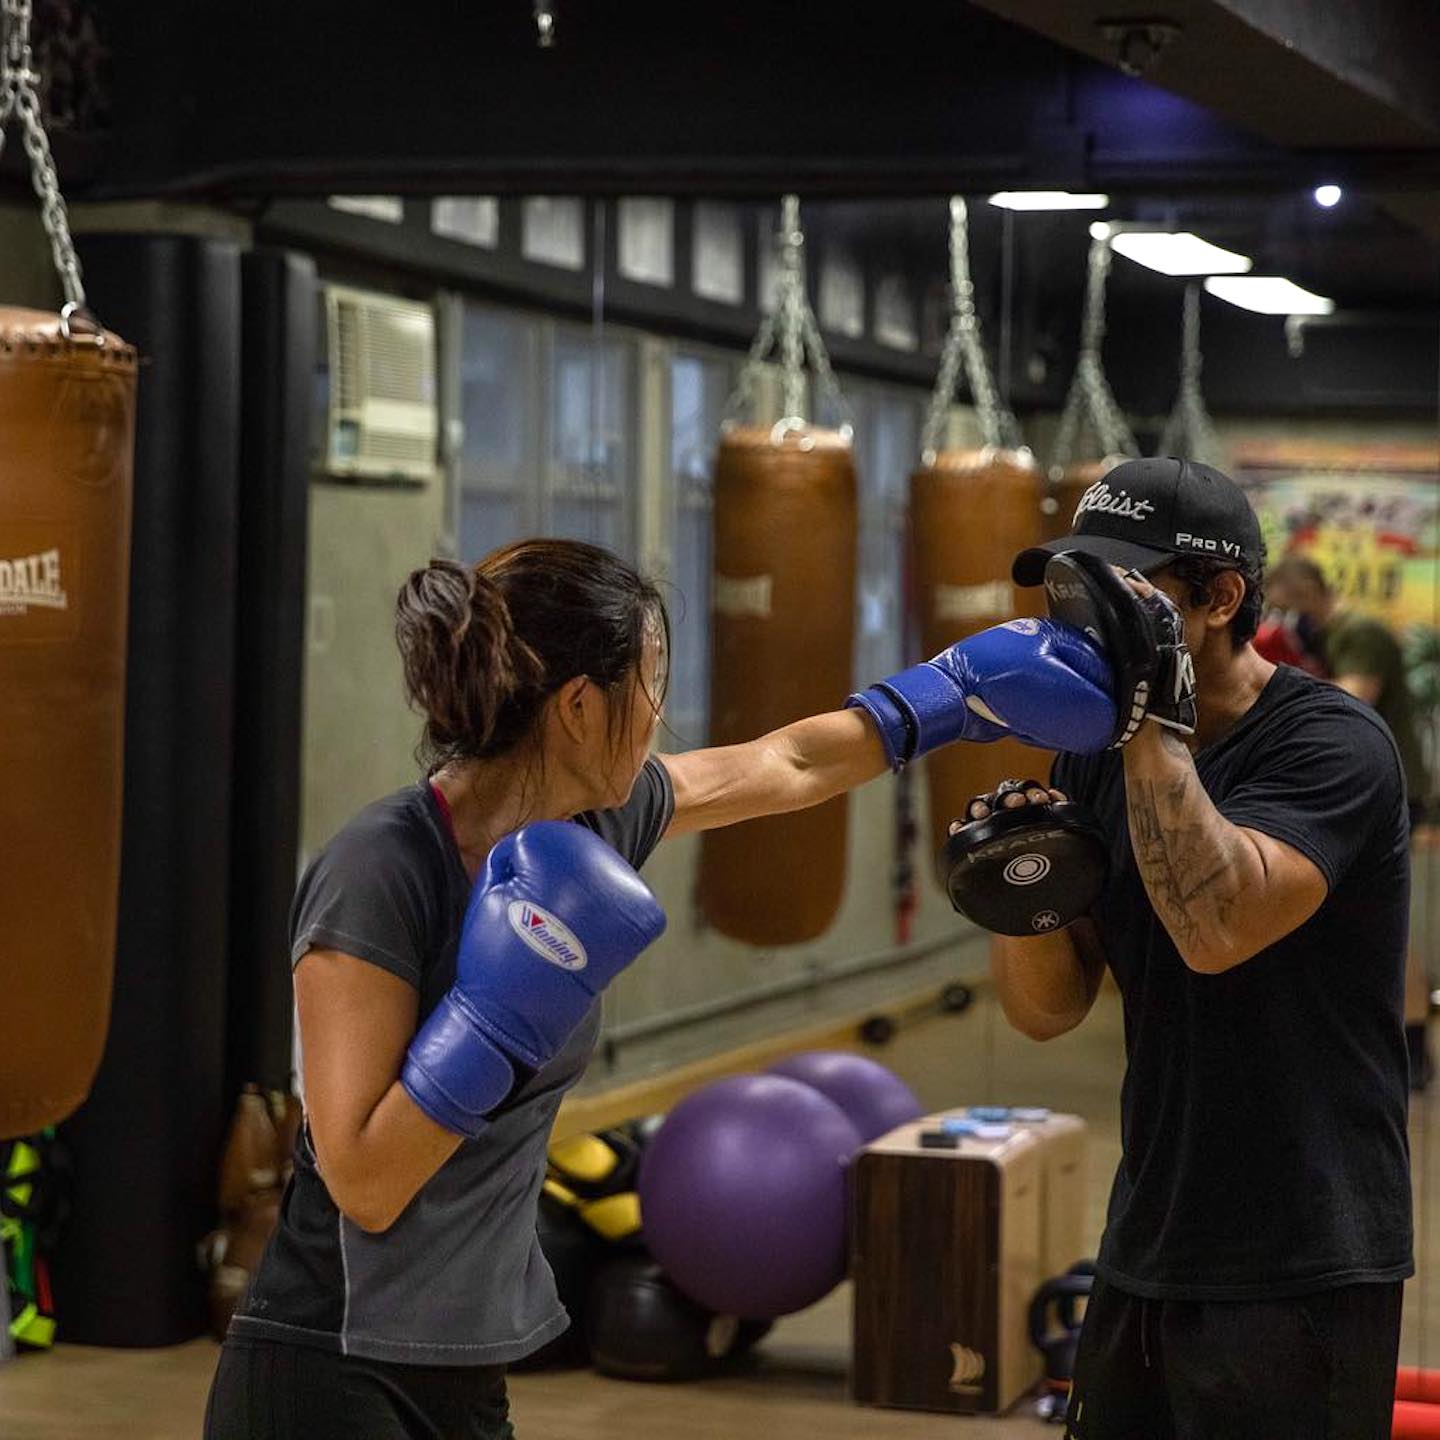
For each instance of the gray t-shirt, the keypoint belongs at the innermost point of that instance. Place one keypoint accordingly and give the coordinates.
(459, 1278)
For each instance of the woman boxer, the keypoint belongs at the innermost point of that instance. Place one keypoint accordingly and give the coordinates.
(449, 946)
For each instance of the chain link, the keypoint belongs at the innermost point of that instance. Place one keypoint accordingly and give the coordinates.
(1188, 430)
(791, 328)
(19, 91)
(964, 346)
(1090, 394)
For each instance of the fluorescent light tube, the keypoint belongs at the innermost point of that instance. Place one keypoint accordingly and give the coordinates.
(1047, 200)
(1177, 254)
(1268, 294)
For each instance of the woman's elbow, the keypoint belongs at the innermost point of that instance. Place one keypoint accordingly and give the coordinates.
(361, 1204)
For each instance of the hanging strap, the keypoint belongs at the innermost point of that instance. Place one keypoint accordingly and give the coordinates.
(19, 93)
(964, 346)
(1090, 396)
(791, 329)
(1188, 430)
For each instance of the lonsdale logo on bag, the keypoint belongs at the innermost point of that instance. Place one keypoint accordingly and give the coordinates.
(1099, 497)
(32, 582)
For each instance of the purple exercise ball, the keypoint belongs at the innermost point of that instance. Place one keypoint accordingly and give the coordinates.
(742, 1191)
(875, 1099)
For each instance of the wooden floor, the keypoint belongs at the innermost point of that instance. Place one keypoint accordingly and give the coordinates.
(797, 1385)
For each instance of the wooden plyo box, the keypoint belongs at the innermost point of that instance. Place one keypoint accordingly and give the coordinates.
(945, 1257)
(1064, 1194)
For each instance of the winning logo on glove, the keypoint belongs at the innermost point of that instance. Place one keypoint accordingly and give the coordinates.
(549, 938)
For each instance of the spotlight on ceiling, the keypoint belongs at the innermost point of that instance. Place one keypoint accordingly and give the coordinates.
(1178, 254)
(1328, 195)
(1047, 200)
(1268, 295)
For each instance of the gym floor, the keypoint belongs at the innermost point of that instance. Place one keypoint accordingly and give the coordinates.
(797, 1380)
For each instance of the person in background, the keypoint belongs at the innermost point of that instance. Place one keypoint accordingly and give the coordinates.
(1362, 656)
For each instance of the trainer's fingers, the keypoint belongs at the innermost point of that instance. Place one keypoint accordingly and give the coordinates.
(1137, 582)
(1038, 796)
(1057, 794)
(1014, 800)
(979, 810)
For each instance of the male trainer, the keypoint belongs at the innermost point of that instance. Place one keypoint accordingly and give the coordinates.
(1254, 917)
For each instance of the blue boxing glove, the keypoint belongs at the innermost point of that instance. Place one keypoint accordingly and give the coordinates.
(1034, 680)
(555, 917)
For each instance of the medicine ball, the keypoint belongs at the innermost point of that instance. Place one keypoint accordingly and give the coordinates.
(640, 1327)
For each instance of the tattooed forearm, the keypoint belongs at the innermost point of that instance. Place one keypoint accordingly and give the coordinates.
(1195, 864)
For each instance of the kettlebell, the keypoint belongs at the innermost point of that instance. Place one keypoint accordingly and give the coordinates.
(1055, 1333)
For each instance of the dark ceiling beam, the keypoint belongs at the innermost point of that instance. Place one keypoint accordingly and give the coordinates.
(1312, 74)
(231, 101)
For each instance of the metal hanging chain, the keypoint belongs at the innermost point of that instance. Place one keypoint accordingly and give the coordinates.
(965, 346)
(792, 308)
(19, 91)
(1090, 393)
(791, 328)
(1188, 430)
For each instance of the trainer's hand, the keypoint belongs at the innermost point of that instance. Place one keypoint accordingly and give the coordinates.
(1008, 795)
(1024, 860)
(1039, 681)
(1141, 631)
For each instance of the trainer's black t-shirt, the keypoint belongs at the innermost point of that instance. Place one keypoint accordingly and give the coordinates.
(1263, 1110)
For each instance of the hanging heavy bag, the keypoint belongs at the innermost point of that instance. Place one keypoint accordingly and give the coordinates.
(67, 426)
(67, 432)
(784, 604)
(971, 512)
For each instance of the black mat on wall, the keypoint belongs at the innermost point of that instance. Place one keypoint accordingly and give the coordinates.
(277, 385)
(145, 1144)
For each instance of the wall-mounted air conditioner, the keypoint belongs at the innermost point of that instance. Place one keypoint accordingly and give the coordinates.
(382, 420)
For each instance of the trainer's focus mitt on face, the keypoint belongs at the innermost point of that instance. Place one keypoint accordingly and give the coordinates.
(1143, 637)
(1027, 870)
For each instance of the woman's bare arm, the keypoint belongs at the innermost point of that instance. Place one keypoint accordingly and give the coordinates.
(791, 768)
(376, 1148)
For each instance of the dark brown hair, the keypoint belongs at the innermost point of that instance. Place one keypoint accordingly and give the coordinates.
(1198, 572)
(484, 646)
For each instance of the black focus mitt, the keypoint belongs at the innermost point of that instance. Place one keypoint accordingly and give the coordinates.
(1143, 637)
(1027, 870)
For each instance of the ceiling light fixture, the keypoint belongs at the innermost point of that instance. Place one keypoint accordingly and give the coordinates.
(1328, 195)
(1047, 200)
(1268, 295)
(1177, 254)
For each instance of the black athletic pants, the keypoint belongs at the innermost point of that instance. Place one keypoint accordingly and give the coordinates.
(1319, 1367)
(267, 1391)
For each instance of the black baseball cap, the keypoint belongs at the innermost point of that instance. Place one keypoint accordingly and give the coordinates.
(1143, 513)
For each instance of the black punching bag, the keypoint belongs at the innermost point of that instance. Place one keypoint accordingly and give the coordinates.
(146, 1144)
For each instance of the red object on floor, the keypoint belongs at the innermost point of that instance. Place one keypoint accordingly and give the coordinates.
(1415, 1421)
(1415, 1384)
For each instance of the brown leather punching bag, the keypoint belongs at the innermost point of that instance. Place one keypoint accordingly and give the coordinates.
(971, 513)
(67, 434)
(784, 605)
